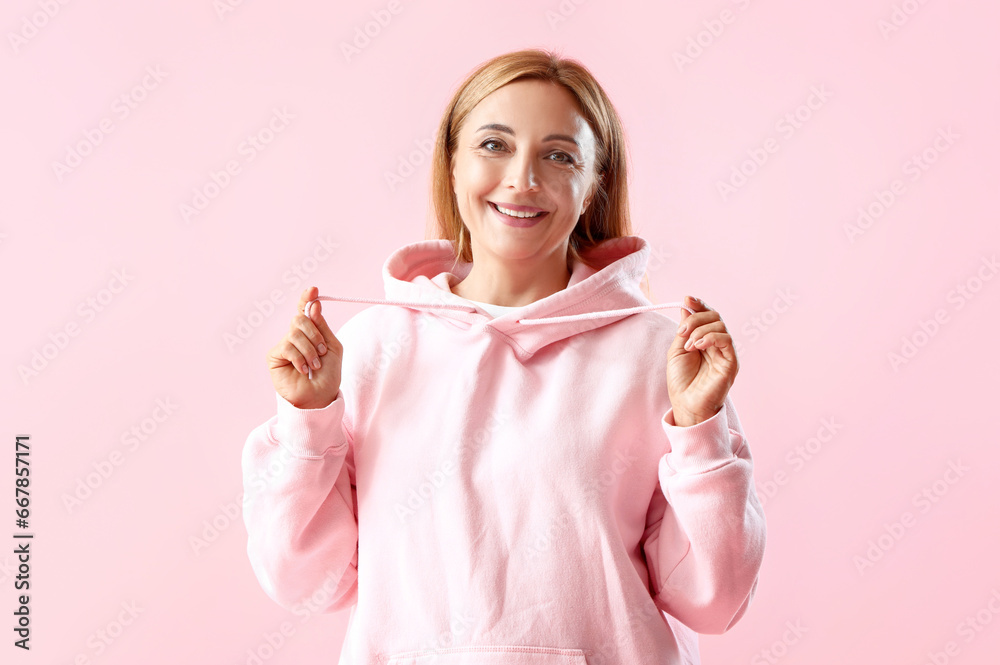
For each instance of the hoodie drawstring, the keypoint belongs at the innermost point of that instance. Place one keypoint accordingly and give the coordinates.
(382, 301)
(604, 314)
(469, 308)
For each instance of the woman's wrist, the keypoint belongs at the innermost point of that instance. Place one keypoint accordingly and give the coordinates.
(685, 419)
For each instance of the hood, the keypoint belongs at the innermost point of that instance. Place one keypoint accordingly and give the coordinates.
(420, 276)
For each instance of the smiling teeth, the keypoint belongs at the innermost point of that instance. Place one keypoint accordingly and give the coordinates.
(517, 214)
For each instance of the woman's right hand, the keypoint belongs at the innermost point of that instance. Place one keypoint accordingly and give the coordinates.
(309, 341)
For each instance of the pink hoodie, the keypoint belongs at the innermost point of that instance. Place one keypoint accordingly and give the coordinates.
(507, 490)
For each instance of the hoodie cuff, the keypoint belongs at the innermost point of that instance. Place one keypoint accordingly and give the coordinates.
(701, 447)
(310, 432)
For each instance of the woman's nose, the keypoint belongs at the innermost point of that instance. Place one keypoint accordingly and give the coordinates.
(521, 173)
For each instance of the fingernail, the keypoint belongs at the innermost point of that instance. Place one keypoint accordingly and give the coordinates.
(322, 349)
(687, 345)
(315, 363)
(682, 329)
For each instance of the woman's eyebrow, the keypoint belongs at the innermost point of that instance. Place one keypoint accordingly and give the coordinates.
(551, 137)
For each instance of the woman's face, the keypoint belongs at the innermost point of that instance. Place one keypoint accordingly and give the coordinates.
(524, 145)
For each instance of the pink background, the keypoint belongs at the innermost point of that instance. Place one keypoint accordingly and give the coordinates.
(817, 315)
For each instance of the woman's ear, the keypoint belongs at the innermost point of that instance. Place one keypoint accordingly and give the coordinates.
(586, 201)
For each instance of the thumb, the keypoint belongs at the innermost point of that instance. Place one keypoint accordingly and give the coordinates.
(315, 312)
(690, 302)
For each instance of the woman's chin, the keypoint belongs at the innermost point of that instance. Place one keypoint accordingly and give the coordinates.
(516, 249)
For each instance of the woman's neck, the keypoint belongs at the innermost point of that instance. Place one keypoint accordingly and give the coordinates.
(513, 284)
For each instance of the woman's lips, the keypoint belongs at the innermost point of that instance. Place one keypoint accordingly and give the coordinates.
(517, 221)
(515, 207)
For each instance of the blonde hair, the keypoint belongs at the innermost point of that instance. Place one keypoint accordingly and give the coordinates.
(606, 217)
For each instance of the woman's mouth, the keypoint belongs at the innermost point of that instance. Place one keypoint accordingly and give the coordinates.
(514, 218)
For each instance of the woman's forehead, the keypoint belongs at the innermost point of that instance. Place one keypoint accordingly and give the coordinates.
(522, 108)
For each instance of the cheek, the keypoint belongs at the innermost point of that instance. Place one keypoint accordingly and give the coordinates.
(485, 173)
(568, 189)
(479, 178)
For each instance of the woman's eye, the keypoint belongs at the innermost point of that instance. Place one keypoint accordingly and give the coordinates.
(568, 159)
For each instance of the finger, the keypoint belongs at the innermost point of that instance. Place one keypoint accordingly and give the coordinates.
(685, 313)
(294, 357)
(723, 349)
(306, 345)
(318, 331)
(311, 329)
(697, 304)
(329, 339)
(703, 331)
(720, 341)
(313, 308)
(694, 321)
(309, 294)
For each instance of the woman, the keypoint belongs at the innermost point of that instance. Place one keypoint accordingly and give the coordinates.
(511, 459)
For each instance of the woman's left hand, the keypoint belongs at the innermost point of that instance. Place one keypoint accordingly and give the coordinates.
(700, 376)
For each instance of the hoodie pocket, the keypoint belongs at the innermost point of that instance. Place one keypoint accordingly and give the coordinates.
(491, 655)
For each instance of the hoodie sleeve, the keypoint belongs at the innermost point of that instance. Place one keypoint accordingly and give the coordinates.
(299, 507)
(705, 534)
